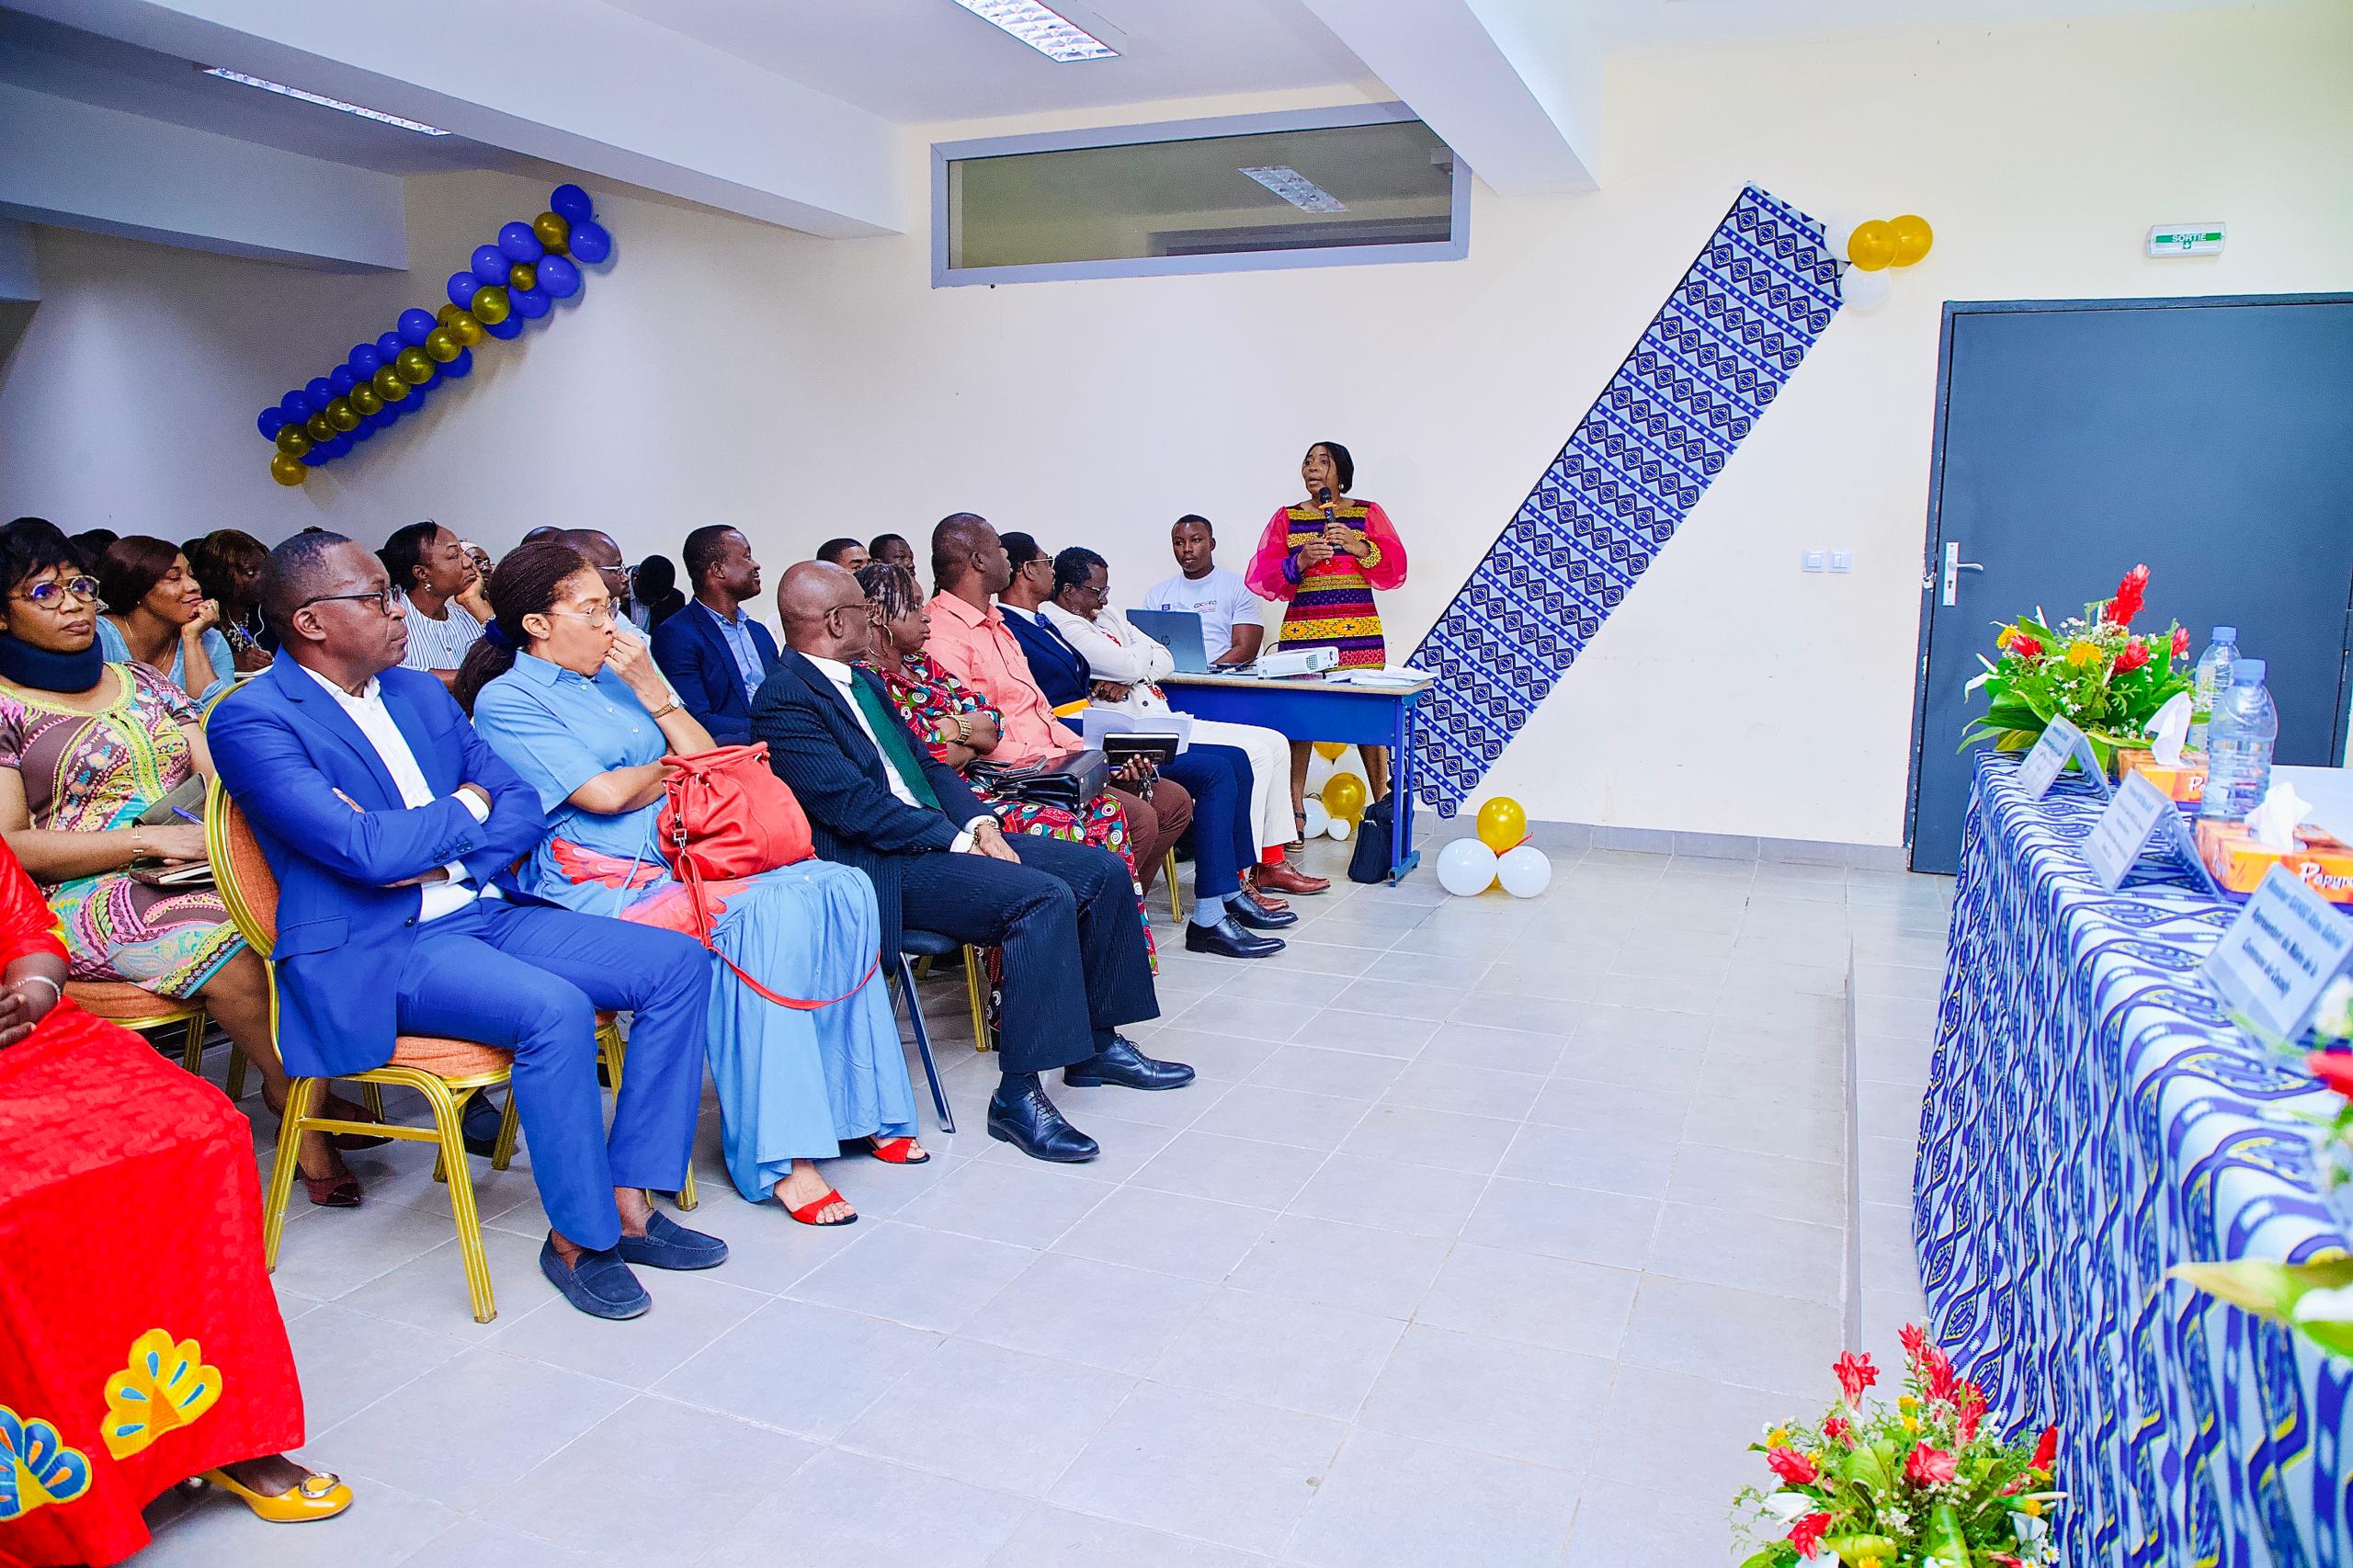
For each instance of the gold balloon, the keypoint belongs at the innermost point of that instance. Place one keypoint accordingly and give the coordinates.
(1502, 824)
(552, 229)
(341, 415)
(465, 329)
(389, 385)
(1872, 246)
(319, 428)
(1343, 797)
(292, 440)
(287, 469)
(442, 345)
(1329, 750)
(491, 305)
(1913, 237)
(365, 402)
(523, 275)
(414, 366)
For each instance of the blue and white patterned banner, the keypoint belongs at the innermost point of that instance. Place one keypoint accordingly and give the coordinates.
(2092, 1120)
(1714, 356)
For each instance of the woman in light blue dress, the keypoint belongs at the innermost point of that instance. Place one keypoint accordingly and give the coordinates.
(583, 715)
(157, 614)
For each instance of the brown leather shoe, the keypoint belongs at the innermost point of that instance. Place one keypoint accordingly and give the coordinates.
(1286, 878)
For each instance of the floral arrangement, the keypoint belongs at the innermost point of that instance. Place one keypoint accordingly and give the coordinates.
(2092, 669)
(1922, 1483)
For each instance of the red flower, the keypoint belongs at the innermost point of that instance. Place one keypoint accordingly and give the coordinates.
(1837, 1429)
(1793, 1466)
(1969, 1404)
(1928, 1466)
(1806, 1534)
(1935, 1372)
(2334, 1069)
(2181, 641)
(2136, 654)
(2046, 1448)
(2129, 595)
(2004, 1560)
(1854, 1373)
(2025, 647)
(1912, 1336)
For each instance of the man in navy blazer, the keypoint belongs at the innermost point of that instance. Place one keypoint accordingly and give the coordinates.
(715, 654)
(387, 821)
(1064, 915)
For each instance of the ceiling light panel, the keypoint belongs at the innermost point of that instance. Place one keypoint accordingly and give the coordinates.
(1296, 188)
(282, 90)
(1043, 28)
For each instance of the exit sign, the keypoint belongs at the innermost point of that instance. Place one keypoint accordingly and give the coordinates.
(2187, 239)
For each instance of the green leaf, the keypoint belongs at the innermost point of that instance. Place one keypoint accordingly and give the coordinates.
(1852, 1549)
(1943, 1537)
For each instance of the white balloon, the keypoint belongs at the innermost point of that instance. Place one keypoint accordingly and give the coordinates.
(1524, 871)
(1838, 231)
(1339, 828)
(1466, 868)
(1319, 773)
(1318, 819)
(1864, 290)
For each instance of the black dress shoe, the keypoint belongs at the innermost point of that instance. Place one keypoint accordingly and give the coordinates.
(1031, 1124)
(1229, 940)
(1120, 1063)
(1247, 910)
(482, 1120)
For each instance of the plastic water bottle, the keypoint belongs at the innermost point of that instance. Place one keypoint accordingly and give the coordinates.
(2213, 678)
(2239, 745)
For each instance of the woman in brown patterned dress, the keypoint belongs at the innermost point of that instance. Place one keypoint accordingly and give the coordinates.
(86, 748)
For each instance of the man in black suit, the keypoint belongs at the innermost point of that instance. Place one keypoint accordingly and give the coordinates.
(876, 800)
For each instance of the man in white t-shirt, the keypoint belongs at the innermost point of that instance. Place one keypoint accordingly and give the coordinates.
(1232, 616)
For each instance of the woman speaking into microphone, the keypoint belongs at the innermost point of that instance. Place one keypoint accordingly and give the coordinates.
(1324, 557)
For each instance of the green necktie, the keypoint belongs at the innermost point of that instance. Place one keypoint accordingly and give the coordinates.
(891, 734)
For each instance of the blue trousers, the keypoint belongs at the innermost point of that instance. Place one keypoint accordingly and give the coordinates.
(532, 979)
(1220, 779)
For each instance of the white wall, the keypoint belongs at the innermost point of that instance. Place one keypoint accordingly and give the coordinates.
(803, 388)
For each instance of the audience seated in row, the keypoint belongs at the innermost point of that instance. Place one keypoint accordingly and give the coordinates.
(714, 651)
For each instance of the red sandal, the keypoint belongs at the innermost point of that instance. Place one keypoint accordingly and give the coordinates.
(807, 1213)
(893, 1152)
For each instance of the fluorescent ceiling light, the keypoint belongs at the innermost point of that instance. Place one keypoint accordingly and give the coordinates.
(282, 90)
(1044, 29)
(1296, 188)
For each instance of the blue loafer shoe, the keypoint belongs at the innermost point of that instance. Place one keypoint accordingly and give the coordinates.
(599, 1284)
(669, 1244)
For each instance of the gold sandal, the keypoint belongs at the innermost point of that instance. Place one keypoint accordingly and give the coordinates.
(316, 1497)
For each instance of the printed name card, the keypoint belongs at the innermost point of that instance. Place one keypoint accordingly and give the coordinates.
(2137, 815)
(2060, 740)
(2279, 955)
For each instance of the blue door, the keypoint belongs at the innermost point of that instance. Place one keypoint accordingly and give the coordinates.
(2211, 438)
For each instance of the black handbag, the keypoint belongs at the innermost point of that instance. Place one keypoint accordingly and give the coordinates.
(1071, 780)
(1371, 861)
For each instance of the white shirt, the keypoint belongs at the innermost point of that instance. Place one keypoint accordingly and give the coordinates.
(838, 673)
(1113, 650)
(376, 722)
(438, 644)
(1221, 599)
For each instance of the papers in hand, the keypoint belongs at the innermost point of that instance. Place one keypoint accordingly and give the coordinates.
(1098, 722)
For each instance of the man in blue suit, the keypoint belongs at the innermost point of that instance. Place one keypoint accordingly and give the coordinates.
(386, 820)
(714, 654)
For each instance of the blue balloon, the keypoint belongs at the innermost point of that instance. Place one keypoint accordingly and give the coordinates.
(415, 326)
(558, 276)
(364, 429)
(505, 331)
(339, 446)
(589, 242)
(458, 370)
(272, 420)
(462, 287)
(315, 456)
(529, 303)
(321, 392)
(365, 361)
(489, 265)
(342, 380)
(296, 405)
(519, 243)
(390, 347)
(571, 203)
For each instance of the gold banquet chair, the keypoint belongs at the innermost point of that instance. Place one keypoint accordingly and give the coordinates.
(446, 1072)
(142, 1011)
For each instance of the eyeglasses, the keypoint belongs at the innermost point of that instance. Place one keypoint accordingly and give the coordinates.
(384, 599)
(607, 611)
(51, 593)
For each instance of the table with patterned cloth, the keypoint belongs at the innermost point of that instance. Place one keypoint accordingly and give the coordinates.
(2092, 1118)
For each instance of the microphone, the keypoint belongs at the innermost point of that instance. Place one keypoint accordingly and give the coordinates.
(1324, 499)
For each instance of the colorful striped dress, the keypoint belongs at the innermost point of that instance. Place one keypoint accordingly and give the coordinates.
(1331, 602)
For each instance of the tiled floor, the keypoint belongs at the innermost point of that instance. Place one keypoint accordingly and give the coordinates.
(1491, 1233)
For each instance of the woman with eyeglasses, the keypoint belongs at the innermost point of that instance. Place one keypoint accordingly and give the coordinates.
(583, 716)
(158, 616)
(88, 750)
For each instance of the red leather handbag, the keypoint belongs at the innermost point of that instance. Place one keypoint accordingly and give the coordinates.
(725, 815)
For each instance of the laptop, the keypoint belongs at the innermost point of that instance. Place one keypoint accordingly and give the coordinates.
(1179, 631)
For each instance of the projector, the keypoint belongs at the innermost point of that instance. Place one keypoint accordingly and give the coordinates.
(1298, 662)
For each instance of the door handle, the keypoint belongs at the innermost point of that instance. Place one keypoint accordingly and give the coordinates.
(1954, 567)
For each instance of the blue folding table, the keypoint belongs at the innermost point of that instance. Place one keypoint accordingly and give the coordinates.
(1310, 708)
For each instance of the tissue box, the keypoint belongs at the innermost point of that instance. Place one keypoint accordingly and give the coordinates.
(2185, 783)
(2238, 863)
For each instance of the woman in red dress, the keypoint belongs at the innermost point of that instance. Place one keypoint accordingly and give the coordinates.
(140, 1343)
